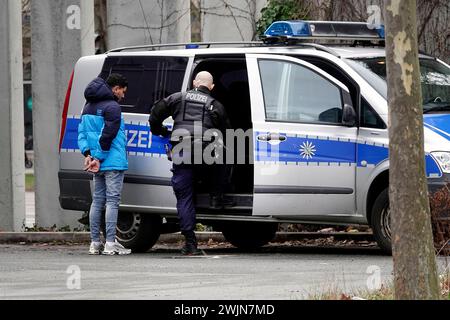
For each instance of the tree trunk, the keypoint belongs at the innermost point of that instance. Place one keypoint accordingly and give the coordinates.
(412, 244)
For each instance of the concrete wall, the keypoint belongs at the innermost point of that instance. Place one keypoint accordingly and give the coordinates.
(12, 178)
(57, 36)
(230, 20)
(134, 22)
(87, 27)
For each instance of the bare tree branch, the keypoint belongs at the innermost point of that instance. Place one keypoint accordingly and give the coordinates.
(426, 20)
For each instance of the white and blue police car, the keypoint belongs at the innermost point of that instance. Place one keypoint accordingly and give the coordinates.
(314, 118)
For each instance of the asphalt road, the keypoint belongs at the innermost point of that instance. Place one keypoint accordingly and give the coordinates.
(44, 271)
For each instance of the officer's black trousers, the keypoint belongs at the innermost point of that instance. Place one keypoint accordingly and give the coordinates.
(183, 183)
(183, 187)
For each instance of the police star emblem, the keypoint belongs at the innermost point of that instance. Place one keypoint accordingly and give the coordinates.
(307, 150)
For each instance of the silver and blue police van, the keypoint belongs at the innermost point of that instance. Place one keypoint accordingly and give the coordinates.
(315, 115)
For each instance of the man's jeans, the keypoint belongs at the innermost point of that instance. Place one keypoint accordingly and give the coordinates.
(107, 190)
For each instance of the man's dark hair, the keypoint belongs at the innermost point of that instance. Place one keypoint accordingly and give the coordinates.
(116, 79)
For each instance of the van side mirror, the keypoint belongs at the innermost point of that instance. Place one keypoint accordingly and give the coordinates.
(348, 116)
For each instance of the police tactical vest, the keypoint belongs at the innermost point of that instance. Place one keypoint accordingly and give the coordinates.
(195, 108)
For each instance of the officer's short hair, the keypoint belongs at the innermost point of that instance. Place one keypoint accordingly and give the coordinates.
(116, 79)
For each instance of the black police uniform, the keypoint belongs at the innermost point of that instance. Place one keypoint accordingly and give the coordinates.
(186, 109)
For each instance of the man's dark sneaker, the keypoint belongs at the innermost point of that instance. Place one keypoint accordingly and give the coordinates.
(220, 202)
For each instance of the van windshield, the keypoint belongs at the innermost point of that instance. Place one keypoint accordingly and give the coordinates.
(434, 76)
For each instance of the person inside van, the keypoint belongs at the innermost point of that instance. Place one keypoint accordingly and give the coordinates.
(102, 140)
(190, 110)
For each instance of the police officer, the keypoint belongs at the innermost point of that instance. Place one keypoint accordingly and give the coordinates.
(190, 110)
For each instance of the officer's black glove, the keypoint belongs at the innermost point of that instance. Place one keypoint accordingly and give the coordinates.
(165, 132)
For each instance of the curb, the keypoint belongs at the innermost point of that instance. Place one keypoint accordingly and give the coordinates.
(30, 237)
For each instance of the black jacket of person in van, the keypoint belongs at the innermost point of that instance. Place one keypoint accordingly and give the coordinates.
(195, 106)
(187, 108)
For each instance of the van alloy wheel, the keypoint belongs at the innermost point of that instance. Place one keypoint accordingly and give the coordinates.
(128, 225)
(138, 231)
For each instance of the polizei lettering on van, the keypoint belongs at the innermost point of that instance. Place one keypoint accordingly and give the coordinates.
(139, 139)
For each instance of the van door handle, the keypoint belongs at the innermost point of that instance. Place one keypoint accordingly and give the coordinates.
(271, 137)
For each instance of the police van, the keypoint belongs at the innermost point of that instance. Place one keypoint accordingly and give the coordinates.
(316, 115)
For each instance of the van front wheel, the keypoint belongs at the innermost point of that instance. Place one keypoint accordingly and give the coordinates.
(381, 222)
(249, 235)
(138, 231)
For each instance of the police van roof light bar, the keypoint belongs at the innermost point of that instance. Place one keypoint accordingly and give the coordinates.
(329, 30)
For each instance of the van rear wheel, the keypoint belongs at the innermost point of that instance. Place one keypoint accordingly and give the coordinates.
(138, 231)
(249, 235)
(381, 221)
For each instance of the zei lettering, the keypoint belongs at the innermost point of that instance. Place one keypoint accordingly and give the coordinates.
(139, 139)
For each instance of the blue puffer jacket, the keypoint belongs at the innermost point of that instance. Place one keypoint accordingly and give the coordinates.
(102, 130)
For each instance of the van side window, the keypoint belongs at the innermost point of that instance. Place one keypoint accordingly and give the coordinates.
(149, 79)
(369, 118)
(337, 73)
(295, 93)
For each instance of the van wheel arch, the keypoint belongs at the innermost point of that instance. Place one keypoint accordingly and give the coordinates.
(380, 183)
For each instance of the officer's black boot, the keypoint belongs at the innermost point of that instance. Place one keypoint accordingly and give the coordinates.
(190, 246)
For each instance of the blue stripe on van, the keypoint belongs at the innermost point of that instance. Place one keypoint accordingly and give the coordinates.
(322, 151)
(139, 138)
(438, 123)
(70, 140)
(432, 168)
(298, 149)
(294, 149)
(372, 154)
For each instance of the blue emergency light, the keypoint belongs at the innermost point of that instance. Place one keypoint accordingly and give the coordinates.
(324, 29)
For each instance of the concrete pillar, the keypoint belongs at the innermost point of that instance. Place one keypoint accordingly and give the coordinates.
(134, 22)
(57, 39)
(87, 27)
(230, 20)
(12, 168)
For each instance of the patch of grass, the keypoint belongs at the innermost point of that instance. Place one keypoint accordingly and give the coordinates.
(54, 228)
(29, 182)
(445, 285)
(386, 292)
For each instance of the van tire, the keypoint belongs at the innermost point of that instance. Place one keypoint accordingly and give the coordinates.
(380, 222)
(249, 235)
(138, 231)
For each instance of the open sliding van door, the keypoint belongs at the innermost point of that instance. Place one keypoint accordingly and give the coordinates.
(304, 156)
